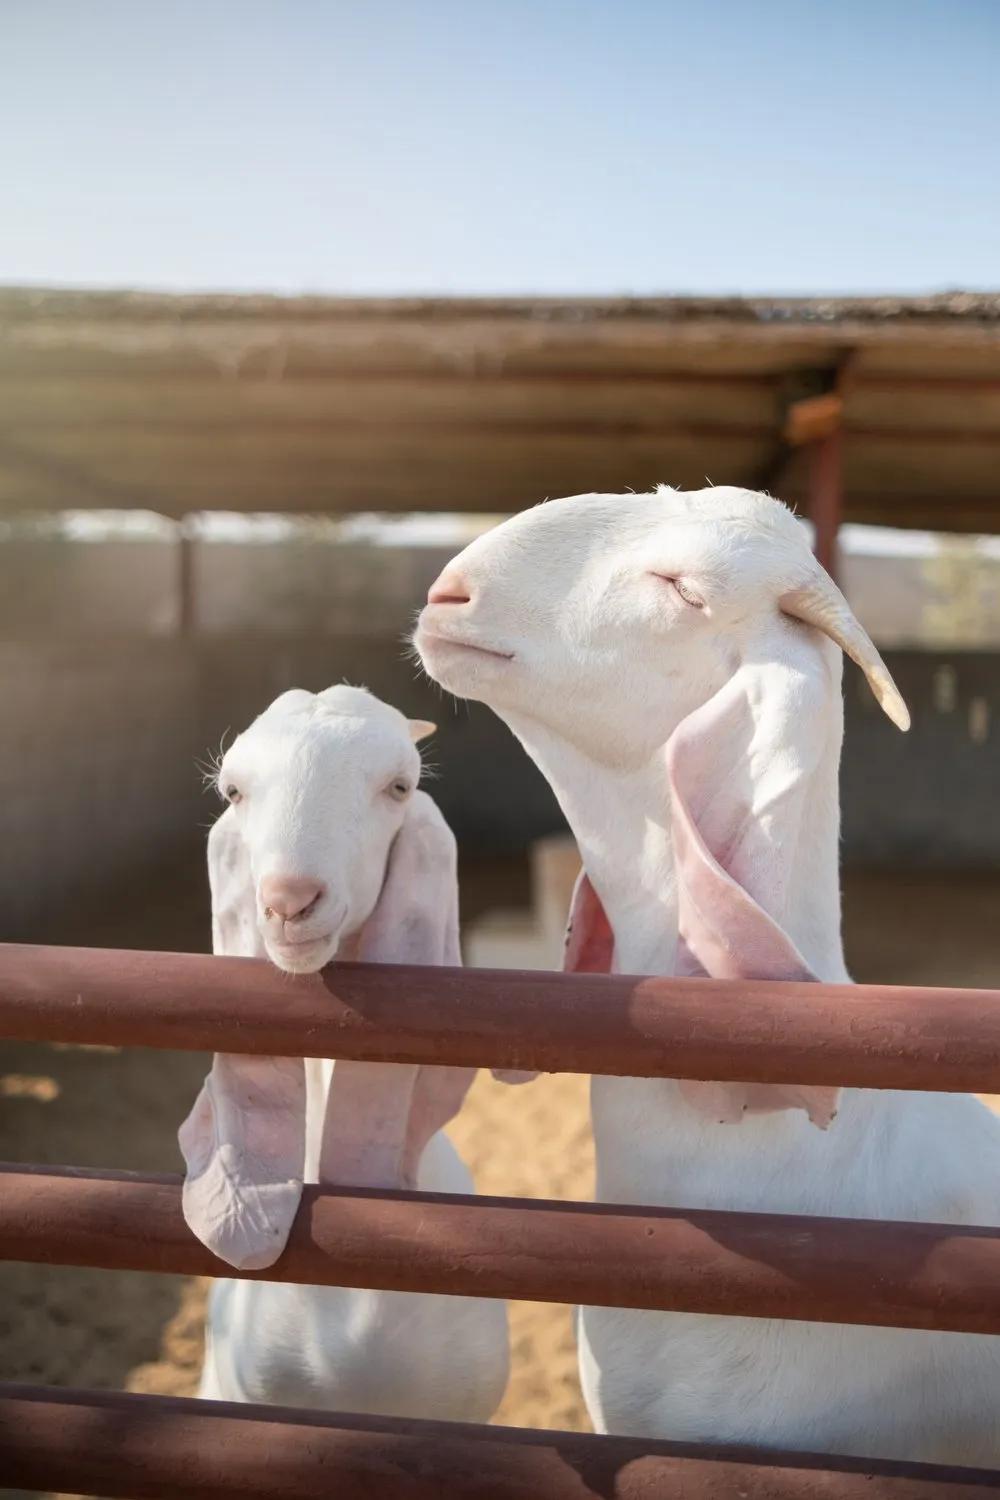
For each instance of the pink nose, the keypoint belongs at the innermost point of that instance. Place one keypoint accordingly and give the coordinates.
(289, 897)
(450, 588)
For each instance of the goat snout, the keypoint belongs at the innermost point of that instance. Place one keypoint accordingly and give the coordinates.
(291, 898)
(450, 587)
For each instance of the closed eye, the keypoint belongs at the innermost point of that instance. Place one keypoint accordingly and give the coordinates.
(682, 590)
(399, 789)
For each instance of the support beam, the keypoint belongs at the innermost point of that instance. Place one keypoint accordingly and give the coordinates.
(826, 495)
(817, 424)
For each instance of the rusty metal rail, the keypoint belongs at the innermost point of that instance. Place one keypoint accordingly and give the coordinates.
(160, 1448)
(866, 1036)
(923, 1276)
(899, 1275)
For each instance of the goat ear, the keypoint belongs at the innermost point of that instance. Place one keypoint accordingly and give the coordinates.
(741, 769)
(590, 943)
(376, 1127)
(234, 918)
(420, 729)
(415, 920)
(244, 1141)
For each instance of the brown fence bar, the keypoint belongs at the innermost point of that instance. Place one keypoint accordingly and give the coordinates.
(869, 1036)
(931, 1276)
(159, 1448)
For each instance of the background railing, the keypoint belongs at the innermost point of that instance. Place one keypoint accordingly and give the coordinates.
(928, 1276)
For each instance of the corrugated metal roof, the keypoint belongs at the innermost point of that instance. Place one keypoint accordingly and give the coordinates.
(330, 405)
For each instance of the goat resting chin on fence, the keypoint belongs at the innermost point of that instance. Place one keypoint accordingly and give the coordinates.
(672, 661)
(328, 848)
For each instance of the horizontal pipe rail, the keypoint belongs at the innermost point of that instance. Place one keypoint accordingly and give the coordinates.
(868, 1036)
(159, 1448)
(930, 1276)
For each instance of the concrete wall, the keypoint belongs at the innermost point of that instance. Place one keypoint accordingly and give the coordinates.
(96, 771)
(103, 727)
(99, 778)
(929, 798)
(99, 775)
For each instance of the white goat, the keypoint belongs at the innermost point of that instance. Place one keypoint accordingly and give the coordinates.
(328, 848)
(671, 662)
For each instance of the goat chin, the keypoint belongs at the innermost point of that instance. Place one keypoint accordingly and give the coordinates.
(306, 957)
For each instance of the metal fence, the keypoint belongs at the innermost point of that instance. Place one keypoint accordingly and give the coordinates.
(920, 1275)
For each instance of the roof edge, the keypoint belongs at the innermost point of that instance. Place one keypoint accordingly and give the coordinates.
(953, 307)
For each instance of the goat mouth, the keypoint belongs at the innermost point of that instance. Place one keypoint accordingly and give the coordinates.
(431, 638)
(302, 953)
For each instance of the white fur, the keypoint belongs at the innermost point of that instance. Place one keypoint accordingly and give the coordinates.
(340, 1349)
(596, 659)
(314, 775)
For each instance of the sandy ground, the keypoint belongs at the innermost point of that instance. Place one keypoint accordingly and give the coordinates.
(113, 1108)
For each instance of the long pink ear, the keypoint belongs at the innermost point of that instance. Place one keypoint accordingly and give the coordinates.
(244, 1141)
(740, 770)
(380, 1116)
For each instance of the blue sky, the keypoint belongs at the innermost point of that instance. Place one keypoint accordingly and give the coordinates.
(435, 146)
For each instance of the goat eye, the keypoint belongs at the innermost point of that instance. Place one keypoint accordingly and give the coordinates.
(687, 595)
(682, 590)
(399, 789)
(233, 794)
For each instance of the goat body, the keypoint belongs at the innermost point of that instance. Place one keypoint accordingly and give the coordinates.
(345, 1349)
(670, 662)
(327, 848)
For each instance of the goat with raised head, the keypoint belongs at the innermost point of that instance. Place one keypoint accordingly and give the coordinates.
(673, 664)
(328, 848)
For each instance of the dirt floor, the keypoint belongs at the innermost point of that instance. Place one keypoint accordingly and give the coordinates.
(114, 1108)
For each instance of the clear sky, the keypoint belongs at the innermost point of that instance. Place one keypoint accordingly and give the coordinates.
(577, 146)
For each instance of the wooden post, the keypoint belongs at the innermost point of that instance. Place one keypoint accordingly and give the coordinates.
(816, 423)
(826, 493)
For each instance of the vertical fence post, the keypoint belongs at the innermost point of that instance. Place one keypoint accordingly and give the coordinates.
(186, 616)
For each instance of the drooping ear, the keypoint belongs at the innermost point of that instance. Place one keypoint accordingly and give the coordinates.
(415, 920)
(420, 729)
(590, 943)
(742, 770)
(234, 923)
(244, 1141)
(380, 1116)
(820, 603)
